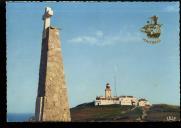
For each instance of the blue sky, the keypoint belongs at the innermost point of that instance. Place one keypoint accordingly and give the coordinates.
(99, 41)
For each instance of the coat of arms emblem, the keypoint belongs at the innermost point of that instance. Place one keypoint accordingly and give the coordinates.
(153, 30)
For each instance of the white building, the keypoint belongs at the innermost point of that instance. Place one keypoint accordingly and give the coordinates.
(143, 102)
(108, 99)
(128, 100)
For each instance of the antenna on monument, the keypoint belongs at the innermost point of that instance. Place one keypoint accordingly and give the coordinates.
(115, 81)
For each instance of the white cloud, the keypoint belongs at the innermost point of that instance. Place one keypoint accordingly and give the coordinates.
(101, 39)
(84, 40)
(99, 33)
(172, 8)
(77, 40)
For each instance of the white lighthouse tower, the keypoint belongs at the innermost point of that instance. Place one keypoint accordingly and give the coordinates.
(108, 91)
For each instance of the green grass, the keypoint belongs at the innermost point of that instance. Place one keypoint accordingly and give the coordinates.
(89, 112)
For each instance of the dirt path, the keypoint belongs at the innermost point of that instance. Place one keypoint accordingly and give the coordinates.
(144, 115)
(134, 108)
(118, 117)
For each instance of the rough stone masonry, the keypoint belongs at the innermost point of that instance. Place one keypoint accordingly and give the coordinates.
(52, 100)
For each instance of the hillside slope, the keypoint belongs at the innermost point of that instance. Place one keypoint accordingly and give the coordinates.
(89, 112)
(160, 112)
(115, 113)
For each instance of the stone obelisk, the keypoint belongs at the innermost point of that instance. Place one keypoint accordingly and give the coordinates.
(52, 99)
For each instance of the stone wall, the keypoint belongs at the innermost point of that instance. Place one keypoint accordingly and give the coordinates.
(52, 86)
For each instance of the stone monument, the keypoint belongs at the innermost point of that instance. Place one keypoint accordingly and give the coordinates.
(52, 99)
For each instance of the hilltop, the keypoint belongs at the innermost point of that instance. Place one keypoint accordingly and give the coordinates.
(87, 112)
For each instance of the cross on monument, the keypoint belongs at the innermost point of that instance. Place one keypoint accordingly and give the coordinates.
(46, 17)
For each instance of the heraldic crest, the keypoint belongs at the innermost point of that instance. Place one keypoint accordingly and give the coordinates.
(153, 30)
